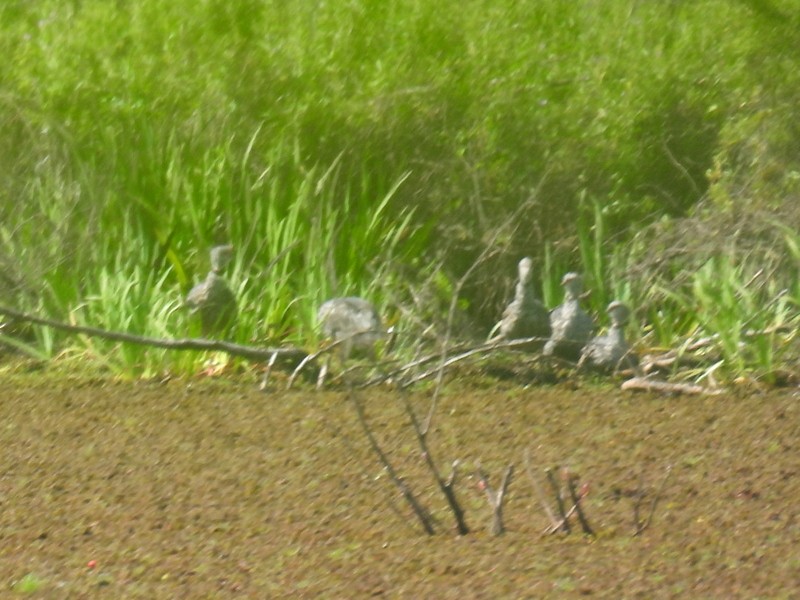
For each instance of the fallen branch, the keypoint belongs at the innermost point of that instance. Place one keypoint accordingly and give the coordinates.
(248, 352)
(337, 434)
(651, 385)
(560, 524)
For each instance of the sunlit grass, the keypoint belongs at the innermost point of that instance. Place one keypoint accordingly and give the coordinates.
(366, 149)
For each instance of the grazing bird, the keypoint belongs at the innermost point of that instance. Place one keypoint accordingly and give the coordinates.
(610, 352)
(525, 316)
(571, 326)
(212, 298)
(352, 321)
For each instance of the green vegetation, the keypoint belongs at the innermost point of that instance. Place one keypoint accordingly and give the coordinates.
(29, 584)
(372, 148)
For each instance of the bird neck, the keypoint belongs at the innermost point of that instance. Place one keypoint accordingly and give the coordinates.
(524, 291)
(617, 333)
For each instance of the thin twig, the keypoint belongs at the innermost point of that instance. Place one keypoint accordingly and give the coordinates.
(539, 492)
(445, 486)
(267, 372)
(559, 524)
(495, 498)
(337, 434)
(477, 350)
(640, 527)
(637, 523)
(576, 499)
(422, 514)
(564, 523)
(488, 251)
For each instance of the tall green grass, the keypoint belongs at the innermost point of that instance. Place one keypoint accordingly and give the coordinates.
(356, 147)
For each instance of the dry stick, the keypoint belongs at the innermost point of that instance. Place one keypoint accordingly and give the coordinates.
(418, 362)
(327, 349)
(559, 524)
(408, 366)
(640, 383)
(576, 499)
(681, 169)
(249, 352)
(496, 498)
(389, 499)
(637, 524)
(466, 352)
(308, 359)
(705, 342)
(446, 342)
(485, 254)
(482, 349)
(447, 487)
(422, 514)
(555, 524)
(564, 523)
(641, 527)
(267, 372)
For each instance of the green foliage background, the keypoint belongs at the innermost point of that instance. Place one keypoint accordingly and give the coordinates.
(372, 147)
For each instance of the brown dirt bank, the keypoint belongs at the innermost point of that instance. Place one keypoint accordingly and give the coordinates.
(195, 489)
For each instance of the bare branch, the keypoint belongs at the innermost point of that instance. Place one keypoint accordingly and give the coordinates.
(488, 251)
(564, 522)
(267, 372)
(651, 385)
(249, 352)
(495, 498)
(424, 517)
(640, 527)
(445, 486)
(555, 523)
(478, 350)
(576, 499)
(337, 434)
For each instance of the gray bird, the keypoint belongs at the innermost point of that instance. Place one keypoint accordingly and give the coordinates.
(571, 326)
(352, 321)
(525, 316)
(610, 352)
(213, 299)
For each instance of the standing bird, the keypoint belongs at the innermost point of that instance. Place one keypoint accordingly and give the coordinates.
(610, 352)
(212, 298)
(571, 326)
(525, 316)
(352, 321)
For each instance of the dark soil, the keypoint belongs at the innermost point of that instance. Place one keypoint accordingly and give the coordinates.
(210, 488)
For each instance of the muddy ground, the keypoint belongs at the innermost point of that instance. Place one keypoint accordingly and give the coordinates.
(201, 488)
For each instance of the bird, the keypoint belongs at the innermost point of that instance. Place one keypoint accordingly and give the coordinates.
(610, 352)
(213, 299)
(354, 323)
(571, 327)
(525, 316)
